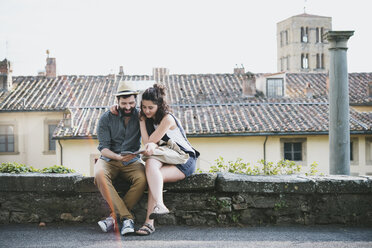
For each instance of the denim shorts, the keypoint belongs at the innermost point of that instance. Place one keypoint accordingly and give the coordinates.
(189, 167)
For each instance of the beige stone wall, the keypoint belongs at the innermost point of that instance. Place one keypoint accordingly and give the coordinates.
(31, 137)
(295, 47)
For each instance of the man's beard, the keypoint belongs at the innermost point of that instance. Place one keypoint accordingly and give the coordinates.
(122, 111)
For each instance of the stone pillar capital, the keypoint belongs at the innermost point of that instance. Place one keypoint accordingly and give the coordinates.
(338, 39)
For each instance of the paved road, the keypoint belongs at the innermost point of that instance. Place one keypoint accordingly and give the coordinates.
(88, 235)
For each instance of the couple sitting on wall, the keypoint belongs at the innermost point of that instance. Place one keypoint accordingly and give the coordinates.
(121, 129)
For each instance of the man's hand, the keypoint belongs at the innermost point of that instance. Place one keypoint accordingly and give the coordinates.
(125, 158)
(149, 148)
(114, 109)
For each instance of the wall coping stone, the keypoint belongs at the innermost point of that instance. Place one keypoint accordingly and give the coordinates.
(222, 182)
(229, 182)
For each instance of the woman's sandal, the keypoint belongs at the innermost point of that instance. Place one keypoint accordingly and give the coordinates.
(145, 230)
(158, 212)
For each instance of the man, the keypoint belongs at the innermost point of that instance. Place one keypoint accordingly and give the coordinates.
(117, 133)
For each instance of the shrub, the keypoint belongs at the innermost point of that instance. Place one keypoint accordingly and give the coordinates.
(283, 167)
(57, 169)
(13, 167)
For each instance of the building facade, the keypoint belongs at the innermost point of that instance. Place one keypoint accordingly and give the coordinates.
(301, 46)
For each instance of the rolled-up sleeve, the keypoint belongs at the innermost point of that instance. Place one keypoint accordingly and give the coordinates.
(103, 133)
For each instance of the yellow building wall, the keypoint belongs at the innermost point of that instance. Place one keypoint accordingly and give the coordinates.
(251, 149)
(79, 155)
(362, 108)
(31, 137)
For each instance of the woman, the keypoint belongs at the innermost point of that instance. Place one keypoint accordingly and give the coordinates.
(157, 123)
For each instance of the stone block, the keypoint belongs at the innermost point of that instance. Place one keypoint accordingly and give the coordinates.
(168, 219)
(196, 182)
(85, 184)
(19, 217)
(229, 182)
(4, 217)
(342, 184)
(38, 182)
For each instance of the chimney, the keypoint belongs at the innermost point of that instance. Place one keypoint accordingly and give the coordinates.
(160, 73)
(121, 71)
(238, 70)
(6, 70)
(249, 85)
(51, 66)
(309, 91)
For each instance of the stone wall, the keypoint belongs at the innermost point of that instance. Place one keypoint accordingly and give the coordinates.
(202, 199)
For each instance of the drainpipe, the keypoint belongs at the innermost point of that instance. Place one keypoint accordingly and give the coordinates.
(264, 151)
(60, 145)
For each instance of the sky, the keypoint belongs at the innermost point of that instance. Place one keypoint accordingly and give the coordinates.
(91, 37)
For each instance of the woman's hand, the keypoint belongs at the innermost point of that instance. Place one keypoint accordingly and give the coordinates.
(114, 109)
(149, 148)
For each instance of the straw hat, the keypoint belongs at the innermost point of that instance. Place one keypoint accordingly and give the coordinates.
(126, 88)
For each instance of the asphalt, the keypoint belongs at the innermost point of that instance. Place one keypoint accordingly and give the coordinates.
(89, 235)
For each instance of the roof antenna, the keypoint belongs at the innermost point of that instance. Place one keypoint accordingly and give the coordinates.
(304, 6)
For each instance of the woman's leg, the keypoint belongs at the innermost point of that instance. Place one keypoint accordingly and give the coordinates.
(155, 180)
(170, 173)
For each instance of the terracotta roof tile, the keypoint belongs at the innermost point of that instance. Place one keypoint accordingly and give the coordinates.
(222, 119)
(207, 104)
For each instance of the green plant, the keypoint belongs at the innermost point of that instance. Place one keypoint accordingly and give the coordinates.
(57, 169)
(235, 218)
(313, 169)
(13, 167)
(279, 205)
(283, 167)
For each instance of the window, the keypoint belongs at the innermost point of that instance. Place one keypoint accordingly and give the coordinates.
(7, 138)
(286, 37)
(281, 39)
(288, 62)
(305, 61)
(51, 143)
(368, 150)
(304, 34)
(281, 64)
(354, 158)
(319, 35)
(320, 61)
(275, 87)
(294, 149)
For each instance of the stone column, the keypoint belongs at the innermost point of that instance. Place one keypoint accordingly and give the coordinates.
(339, 130)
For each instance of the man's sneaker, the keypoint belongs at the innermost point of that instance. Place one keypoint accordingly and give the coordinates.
(107, 225)
(128, 227)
